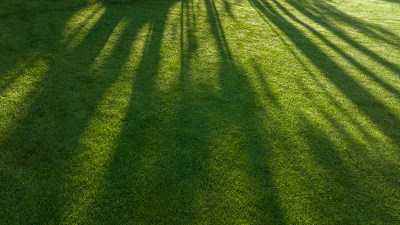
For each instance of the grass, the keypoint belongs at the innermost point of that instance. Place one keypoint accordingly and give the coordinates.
(200, 111)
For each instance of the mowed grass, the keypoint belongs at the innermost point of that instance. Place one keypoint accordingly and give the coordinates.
(200, 112)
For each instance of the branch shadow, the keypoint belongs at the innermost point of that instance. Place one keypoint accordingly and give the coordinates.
(167, 144)
(317, 18)
(172, 157)
(347, 197)
(239, 110)
(46, 138)
(162, 145)
(317, 10)
(340, 173)
(357, 94)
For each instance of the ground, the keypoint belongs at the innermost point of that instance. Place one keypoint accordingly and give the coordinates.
(200, 112)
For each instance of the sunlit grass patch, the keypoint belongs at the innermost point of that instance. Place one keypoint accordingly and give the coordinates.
(96, 146)
(81, 23)
(18, 95)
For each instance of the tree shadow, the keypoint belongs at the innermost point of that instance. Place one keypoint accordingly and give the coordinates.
(340, 176)
(317, 18)
(357, 94)
(17, 157)
(46, 139)
(182, 152)
(330, 13)
(317, 10)
(347, 192)
(239, 111)
(23, 43)
(162, 140)
(168, 144)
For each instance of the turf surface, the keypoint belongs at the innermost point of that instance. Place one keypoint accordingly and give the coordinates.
(200, 111)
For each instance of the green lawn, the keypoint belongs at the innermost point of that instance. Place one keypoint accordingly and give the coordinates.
(200, 112)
